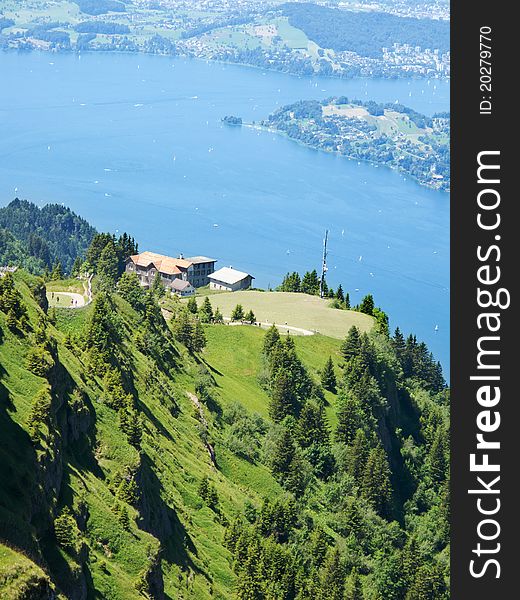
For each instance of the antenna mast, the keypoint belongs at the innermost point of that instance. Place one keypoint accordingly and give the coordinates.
(324, 264)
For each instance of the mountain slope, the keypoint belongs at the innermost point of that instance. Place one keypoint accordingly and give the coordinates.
(139, 468)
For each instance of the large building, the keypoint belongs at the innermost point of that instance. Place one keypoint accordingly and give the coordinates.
(230, 280)
(195, 270)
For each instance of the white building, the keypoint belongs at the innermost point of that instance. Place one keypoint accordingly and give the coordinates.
(229, 280)
(181, 288)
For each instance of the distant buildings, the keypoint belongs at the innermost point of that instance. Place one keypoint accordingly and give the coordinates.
(180, 275)
(230, 280)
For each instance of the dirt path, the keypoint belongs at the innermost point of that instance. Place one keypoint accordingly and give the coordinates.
(59, 299)
(198, 405)
(66, 300)
(266, 325)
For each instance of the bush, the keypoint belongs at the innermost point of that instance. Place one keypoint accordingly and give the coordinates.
(39, 361)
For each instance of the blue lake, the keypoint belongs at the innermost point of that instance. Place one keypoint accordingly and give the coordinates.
(135, 143)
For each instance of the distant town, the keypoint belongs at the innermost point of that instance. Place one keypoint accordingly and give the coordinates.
(397, 40)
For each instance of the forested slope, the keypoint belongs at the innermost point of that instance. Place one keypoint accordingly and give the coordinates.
(192, 459)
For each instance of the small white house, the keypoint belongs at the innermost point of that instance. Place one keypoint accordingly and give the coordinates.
(229, 280)
(182, 288)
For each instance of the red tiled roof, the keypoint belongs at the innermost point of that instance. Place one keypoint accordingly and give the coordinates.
(164, 264)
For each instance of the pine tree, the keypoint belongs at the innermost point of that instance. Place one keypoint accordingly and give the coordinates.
(107, 267)
(319, 544)
(310, 283)
(65, 529)
(133, 427)
(124, 519)
(399, 346)
(339, 294)
(271, 339)
(57, 271)
(351, 346)
(428, 584)
(40, 414)
(283, 454)
(311, 427)
(328, 377)
(77, 266)
(352, 520)
(238, 313)
(97, 245)
(129, 288)
(347, 301)
(250, 317)
(206, 311)
(218, 317)
(358, 454)
(375, 485)
(367, 305)
(198, 337)
(183, 328)
(283, 400)
(350, 419)
(437, 459)
(354, 588)
(203, 487)
(291, 283)
(192, 305)
(157, 288)
(332, 577)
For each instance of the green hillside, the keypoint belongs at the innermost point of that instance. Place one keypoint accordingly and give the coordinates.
(194, 460)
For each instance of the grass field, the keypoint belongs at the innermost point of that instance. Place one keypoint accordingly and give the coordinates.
(234, 355)
(297, 310)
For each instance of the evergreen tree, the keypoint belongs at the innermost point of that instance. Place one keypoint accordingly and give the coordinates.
(283, 454)
(283, 400)
(358, 454)
(198, 337)
(367, 305)
(375, 485)
(124, 519)
(65, 529)
(57, 271)
(237, 313)
(130, 289)
(206, 311)
(97, 245)
(291, 283)
(77, 266)
(107, 268)
(183, 328)
(350, 419)
(354, 588)
(428, 584)
(399, 346)
(339, 294)
(328, 377)
(351, 346)
(40, 413)
(271, 339)
(311, 427)
(310, 283)
(332, 577)
(157, 288)
(250, 317)
(218, 317)
(347, 301)
(192, 305)
(437, 459)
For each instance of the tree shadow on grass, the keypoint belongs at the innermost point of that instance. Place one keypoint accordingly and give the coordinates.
(159, 519)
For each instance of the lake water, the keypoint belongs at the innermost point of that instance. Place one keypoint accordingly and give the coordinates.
(135, 143)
